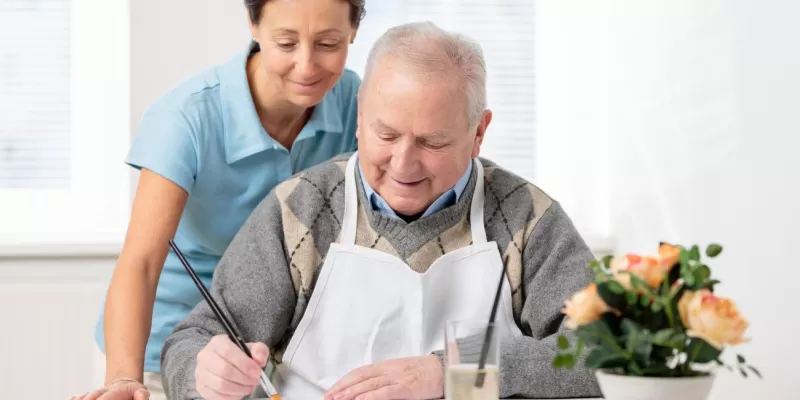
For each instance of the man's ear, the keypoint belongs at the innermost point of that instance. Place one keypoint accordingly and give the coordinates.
(480, 132)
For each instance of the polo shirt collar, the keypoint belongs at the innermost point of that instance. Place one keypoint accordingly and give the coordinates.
(244, 135)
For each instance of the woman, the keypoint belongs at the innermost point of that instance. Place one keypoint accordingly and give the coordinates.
(208, 152)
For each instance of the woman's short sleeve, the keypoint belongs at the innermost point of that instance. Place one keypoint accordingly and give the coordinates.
(166, 145)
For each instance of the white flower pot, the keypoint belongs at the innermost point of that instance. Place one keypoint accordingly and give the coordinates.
(623, 387)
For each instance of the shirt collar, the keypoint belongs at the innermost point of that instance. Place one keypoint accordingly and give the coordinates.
(447, 198)
(244, 134)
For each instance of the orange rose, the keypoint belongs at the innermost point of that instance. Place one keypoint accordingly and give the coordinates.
(584, 307)
(651, 270)
(713, 319)
(668, 255)
(646, 268)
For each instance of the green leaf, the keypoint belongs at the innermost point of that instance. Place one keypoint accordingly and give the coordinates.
(741, 359)
(709, 285)
(558, 361)
(632, 297)
(694, 253)
(713, 250)
(645, 300)
(663, 335)
(579, 348)
(755, 371)
(638, 283)
(595, 265)
(615, 287)
(600, 276)
(702, 274)
(563, 343)
(614, 300)
(630, 327)
(596, 333)
(641, 349)
(701, 352)
(634, 369)
(607, 261)
(689, 279)
(602, 357)
(656, 306)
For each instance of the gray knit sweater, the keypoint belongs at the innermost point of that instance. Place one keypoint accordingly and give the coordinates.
(267, 274)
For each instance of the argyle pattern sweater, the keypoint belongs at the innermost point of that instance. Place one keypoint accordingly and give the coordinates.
(266, 276)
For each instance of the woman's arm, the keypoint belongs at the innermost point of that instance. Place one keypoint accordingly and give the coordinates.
(156, 211)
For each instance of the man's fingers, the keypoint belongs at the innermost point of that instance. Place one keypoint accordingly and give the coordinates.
(368, 386)
(234, 356)
(260, 353)
(354, 377)
(224, 386)
(389, 392)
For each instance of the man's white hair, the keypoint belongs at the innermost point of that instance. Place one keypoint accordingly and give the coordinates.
(425, 47)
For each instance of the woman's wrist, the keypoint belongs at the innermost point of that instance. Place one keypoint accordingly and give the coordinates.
(118, 380)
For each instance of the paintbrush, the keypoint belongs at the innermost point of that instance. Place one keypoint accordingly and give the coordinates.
(233, 334)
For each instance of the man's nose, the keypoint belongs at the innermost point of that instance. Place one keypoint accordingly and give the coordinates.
(404, 156)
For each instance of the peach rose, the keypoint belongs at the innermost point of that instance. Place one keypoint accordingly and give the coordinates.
(652, 270)
(646, 268)
(713, 319)
(584, 307)
(668, 255)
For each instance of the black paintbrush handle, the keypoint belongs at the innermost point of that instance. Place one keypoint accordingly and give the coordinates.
(229, 328)
(487, 340)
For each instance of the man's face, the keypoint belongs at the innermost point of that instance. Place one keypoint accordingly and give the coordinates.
(414, 140)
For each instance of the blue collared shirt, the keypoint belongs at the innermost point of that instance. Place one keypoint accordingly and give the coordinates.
(447, 198)
(205, 136)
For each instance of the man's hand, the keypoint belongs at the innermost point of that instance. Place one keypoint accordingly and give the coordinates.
(224, 372)
(123, 390)
(403, 378)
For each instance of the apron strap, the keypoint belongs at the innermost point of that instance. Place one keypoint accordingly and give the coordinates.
(476, 210)
(350, 218)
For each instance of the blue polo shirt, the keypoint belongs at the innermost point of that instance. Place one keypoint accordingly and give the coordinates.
(205, 136)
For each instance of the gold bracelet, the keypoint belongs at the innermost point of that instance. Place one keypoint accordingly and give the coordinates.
(122, 380)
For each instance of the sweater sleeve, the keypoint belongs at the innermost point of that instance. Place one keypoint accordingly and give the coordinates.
(252, 285)
(555, 260)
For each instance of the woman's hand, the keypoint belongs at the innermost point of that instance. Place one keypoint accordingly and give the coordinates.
(402, 378)
(123, 390)
(225, 372)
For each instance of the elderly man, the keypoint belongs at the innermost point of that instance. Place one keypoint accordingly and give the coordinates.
(347, 272)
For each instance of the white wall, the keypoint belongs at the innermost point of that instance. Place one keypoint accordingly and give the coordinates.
(49, 308)
(676, 120)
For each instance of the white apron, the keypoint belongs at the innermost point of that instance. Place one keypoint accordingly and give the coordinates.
(369, 306)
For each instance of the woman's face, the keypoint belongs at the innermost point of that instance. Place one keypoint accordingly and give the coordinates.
(304, 46)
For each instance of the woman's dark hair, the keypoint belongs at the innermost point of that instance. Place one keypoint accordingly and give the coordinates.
(357, 10)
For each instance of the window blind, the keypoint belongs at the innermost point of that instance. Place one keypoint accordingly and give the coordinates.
(34, 94)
